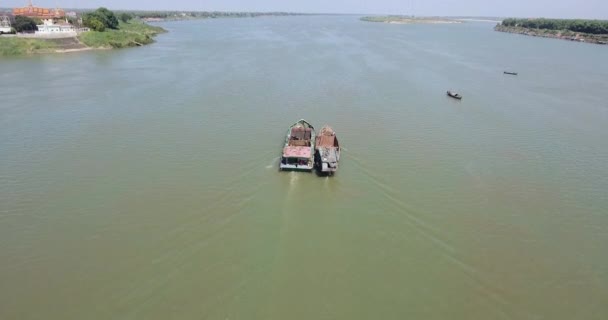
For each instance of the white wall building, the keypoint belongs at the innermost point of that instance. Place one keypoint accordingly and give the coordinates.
(55, 28)
(49, 26)
(5, 25)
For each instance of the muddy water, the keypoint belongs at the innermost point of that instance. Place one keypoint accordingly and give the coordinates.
(143, 183)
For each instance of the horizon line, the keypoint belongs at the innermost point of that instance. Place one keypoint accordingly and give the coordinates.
(325, 13)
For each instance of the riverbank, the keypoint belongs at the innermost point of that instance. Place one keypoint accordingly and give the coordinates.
(157, 16)
(555, 34)
(409, 20)
(14, 46)
(131, 34)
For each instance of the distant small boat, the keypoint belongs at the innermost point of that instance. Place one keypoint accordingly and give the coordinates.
(454, 94)
(298, 151)
(511, 73)
(327, 153)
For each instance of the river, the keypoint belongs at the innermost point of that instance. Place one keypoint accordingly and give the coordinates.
(143, 183)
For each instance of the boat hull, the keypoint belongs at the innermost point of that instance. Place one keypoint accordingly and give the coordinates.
(327, 168)
(454, 95)
(290, 167)
(327, 152)
(298, 150)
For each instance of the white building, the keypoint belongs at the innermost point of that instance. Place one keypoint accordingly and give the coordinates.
(5, 25)
(49, 26)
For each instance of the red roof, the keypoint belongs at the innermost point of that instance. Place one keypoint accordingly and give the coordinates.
(297, 152)
(37, 12)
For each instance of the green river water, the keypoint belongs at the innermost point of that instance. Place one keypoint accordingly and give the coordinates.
(144, 183)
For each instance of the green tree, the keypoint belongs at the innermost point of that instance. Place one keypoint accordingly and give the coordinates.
(109, 17)
(73, 21)
(95, 24)
(102, 15)
(25, 24)
(586, 26)
(125, 17)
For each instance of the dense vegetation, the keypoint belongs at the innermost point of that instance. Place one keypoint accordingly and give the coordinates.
(111, 29)
(408, 19)
(584, 26)
(384, 18)
(169, 15)
(25, 24)
(18, 46)
(108, 31)
(100, 20)
(134, 33)
(125, 17)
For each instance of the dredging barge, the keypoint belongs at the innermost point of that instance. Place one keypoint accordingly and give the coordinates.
(298, 150)
(327, 151)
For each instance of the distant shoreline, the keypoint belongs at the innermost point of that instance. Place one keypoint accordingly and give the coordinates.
(555, 34)
(133, 34)
(410, 20)
(162, 16)
(478, 20)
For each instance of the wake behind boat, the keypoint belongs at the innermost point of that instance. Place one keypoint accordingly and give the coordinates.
(298, 152)
(327, 153)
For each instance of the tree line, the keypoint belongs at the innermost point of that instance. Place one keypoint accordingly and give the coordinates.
(203, 14)
(25, 24)
(100, 20)
(585, 26)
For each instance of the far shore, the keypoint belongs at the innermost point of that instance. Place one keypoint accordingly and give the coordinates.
(479, 20)
(136, 32)
(556, 34)
(410, 20)
(133, 34)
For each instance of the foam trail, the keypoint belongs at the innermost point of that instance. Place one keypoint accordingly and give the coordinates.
(326, 183)
(293, 179)
(291, 191)
(273, 163)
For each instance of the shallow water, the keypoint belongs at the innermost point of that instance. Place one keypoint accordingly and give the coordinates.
(143, 183)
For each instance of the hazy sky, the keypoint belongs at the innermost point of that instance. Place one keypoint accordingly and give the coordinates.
(597, 9)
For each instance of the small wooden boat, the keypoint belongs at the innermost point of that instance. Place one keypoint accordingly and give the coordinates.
(511, 73)
(327, 153)
(454, 94)
(298, 152)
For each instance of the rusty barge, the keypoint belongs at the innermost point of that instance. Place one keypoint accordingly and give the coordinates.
(327, 151)
(298, 151)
